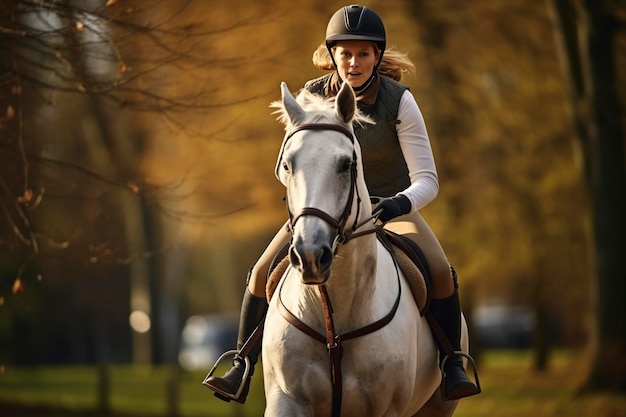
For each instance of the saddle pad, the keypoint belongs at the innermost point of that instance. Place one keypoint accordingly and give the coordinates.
(277, 272)
(414, 278)
(411, 273)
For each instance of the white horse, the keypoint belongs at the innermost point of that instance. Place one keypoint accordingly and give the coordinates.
(343, 290)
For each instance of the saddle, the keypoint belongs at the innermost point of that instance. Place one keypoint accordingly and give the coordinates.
(408, 256)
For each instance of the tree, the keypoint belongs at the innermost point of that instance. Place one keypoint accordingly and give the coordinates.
(586, 34)
(81, 83)
(510, 197)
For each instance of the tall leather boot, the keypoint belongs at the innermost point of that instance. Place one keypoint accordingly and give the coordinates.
(253, 311)
(455, 382)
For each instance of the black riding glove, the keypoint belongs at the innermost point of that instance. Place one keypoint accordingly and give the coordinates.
(392, 208)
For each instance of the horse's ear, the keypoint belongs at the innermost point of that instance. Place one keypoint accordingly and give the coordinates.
(293, 109)
(345, 105)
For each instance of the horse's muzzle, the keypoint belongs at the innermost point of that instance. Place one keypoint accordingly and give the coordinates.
(312, 261)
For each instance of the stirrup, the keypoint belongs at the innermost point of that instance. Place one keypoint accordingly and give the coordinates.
(247, 366)
(470, 360)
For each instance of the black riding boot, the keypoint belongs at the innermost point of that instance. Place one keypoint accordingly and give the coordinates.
(455, 382)
(253, 311)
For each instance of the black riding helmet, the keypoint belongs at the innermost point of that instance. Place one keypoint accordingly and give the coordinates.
(352, 23)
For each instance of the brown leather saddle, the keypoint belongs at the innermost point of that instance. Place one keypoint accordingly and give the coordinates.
(408, 256)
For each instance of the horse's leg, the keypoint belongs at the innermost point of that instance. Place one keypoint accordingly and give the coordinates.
(435, 407)
(280, 404)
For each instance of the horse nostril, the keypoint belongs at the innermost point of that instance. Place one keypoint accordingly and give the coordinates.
(326, 258)
(293, 257)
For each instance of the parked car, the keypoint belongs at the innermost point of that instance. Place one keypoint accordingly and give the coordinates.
(205, 338)
(504, 326)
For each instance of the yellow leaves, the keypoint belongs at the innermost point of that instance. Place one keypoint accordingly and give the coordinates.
(18, 286)
(31, 199)
(102, 252)
(9, 114)
(26, 197)
(110, 3)
(80, 26)
(133, 187)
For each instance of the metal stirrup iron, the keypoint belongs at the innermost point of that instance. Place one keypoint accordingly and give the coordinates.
(469, 360)
(241, 354)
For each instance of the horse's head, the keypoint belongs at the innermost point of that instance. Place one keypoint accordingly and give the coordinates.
(320, 164)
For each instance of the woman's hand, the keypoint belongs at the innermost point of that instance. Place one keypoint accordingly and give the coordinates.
(392, 207)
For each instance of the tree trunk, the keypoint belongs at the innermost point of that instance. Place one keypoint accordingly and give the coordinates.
(585, 34)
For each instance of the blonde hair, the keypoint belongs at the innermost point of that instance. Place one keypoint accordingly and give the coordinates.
(393, 65)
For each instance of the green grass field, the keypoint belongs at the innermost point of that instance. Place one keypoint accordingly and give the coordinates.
(510, 389)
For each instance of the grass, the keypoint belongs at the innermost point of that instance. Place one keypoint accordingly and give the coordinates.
(133, 391)
(511, 388)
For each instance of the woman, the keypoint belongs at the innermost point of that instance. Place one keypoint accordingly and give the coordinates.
(398, 163)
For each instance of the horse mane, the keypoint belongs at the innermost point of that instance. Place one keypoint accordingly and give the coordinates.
(318, 109)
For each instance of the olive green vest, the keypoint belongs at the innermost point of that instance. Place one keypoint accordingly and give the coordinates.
(384, 166)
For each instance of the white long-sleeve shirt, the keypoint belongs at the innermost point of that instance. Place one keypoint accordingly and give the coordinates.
(417, 152)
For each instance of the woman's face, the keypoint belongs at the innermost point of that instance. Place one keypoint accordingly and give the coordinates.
(355, 61)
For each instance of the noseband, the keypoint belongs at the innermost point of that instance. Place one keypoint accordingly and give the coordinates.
(339, 224)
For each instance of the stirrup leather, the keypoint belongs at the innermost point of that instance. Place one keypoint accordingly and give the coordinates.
(470, 360)
(247, 367)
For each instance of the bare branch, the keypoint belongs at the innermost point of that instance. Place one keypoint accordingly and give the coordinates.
(12, 32)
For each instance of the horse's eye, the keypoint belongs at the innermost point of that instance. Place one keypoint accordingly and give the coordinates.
(285, 166)
(346, 164)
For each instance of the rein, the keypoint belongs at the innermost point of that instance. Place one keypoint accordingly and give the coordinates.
(343, 235)
(333, 340)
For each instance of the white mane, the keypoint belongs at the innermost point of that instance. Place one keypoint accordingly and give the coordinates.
(319, 109)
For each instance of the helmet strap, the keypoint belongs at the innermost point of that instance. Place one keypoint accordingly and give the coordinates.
(368, 83)
(362, 88)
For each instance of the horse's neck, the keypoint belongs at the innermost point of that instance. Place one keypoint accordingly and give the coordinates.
(352, 288)
(353, 275)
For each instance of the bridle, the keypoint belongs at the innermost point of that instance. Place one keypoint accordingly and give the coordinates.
(343, 234)
(332, 339)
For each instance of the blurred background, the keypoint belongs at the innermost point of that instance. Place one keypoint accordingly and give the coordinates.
(136, 186)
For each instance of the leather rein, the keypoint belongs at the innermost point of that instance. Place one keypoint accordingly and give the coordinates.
(332, 339)
(343, 234)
